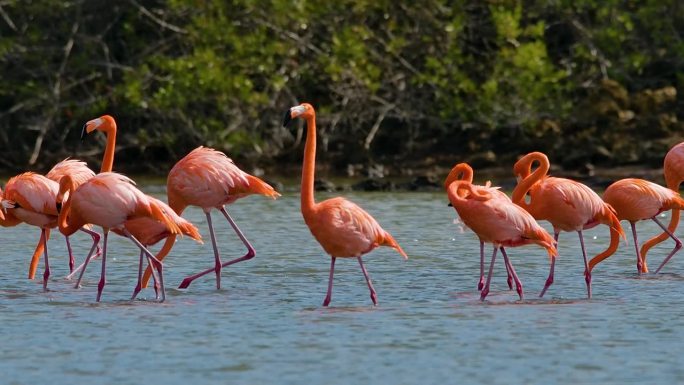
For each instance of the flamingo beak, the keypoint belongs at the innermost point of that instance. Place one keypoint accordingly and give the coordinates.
(59, 207)
(288, 117)
(84, 132)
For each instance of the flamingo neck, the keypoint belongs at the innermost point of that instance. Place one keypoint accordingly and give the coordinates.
(530, 180)
(463, 170)
(309, 166)
(108, 159)
(66, 228)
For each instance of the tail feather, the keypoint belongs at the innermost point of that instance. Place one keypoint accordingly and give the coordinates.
(388, 240)
(609, 217)
(258, 186)
(190, 230)
(542, 238)
(159, 213)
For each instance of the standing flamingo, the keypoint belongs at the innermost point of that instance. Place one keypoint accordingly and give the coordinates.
(463, 171)
(148, 231)
(31, 199)
(341, 227)
(568, 205)
(109, 200)
(637, 199)
(209, 179)
(80, 172)
(673, 168)
(498, 221)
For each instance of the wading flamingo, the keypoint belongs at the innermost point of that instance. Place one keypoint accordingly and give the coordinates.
(80, 173)
(498, 221)
(109, 200)
(637, 199)
(208, 179)
(147, 231)
(30, 198)
(343, 229)
(673, 168)
(568, 205)
(463, 171)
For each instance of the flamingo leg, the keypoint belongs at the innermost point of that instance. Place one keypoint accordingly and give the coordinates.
(485, 290)
(46, 274)
(249, 255)
(480, 283)
(509, 276)
(518, 284)
(549, 279)
(328, 295)
(71, 255)
(640, 264)
(151, 258)
(373, 294)
(587, 273)
(138, 286)
(217, 261)
(96, 240)
(103, 273)
(678, 244)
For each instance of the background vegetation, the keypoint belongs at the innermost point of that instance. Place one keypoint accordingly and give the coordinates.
(397, 84)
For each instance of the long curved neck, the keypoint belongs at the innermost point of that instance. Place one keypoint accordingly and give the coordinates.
(65, 227)
(461, 171)
(108, 159)
(309, 166)
(526, 184)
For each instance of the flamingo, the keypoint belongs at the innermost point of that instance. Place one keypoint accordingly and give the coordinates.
(342, 228)
(209, 179)
(568, 205)
(498, 221)
(80, 173)
(31, 197)
(638, 199)
(463, 171)
(109, 200)
(673, 168)
(147, 231)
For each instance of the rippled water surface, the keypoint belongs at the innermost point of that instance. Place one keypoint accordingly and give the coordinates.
(266, 325)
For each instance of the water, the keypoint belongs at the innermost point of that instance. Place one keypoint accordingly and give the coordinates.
(266, 325)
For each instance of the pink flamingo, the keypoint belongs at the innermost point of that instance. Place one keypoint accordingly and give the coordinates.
(673, 168)
(568, 205)
(463, 171)
(498, 221)
(209, 179)
(109, 200)
(148, 231)
(31, 198)
(637, 199)
(80, 172)
(343, 229)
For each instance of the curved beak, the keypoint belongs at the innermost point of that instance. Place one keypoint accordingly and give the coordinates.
(59, 207)
(84, 132)
(287, 118)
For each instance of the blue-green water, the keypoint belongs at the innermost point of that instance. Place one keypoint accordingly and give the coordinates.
(266, 325)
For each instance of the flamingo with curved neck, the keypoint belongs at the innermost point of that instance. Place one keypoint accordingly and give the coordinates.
(342, 228)
(568, 205)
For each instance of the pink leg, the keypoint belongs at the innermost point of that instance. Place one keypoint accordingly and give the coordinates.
(328, 295)
(250, 251)
(636, 246)
(587, 273)
(151, 258)
(480, 284)
(518, 284)
(678, 244)
(485, 290)
(103, 273)
(46, 274)
(71, 255)
(96, 240)
(138, 286)
(373, 294)
(549, 280)
(509, 276)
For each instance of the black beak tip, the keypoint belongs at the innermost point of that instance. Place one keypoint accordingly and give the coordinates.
(59, 206)
(287, 118)
(84, 133)
(450, 205)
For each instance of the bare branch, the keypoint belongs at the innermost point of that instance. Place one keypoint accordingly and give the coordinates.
(7, 19)
(157, 20)
(376, 126)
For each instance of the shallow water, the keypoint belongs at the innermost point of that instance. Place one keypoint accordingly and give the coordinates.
(266, 325)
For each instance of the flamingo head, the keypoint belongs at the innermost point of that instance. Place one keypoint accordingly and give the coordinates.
(103, 123)
(305, 110)
(66, 184)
